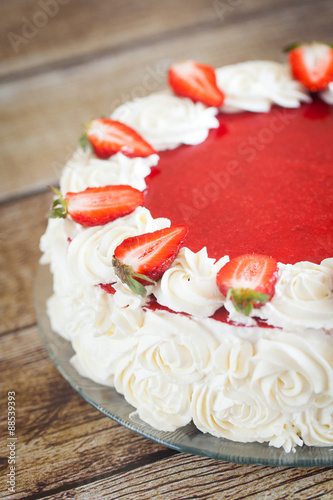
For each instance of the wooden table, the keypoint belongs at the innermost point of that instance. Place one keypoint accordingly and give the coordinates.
(64, 62)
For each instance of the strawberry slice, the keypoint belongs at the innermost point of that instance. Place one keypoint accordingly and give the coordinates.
(142, 260)
(108, 137)
(196, 81)
(249, 280)
(97, 206)
(312, 64)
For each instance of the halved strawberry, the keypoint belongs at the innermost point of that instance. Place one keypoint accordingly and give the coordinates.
(196, 81)
(97, 206)
(142, 260)
(249, 280)
(108, 137)
(312, 64)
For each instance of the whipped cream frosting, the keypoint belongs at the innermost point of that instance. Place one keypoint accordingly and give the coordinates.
(236, 380)
(166, 121)
(159, 402)
(189, 285)
(257, 85)
(176, 347)
(99, 357)
(84, 170)
(90, 253)
(303, 297)
(327, 94)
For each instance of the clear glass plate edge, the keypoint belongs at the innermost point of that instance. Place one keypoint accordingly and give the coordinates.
(186, 439)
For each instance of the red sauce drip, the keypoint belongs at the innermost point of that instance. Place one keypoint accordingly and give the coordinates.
(108, 288)
(219, 315)
(261, 182)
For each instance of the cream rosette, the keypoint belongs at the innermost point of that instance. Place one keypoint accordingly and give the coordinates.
(226, 412)
(159, 402)
(166, 121)
(292, 370)
(316, 425)
(85, 170)
(303, 297)
(189, 285)
(257, 85)
(72, 313)
(121, 318)
(233, 357)
(175, 347)
(54, 245)
(90, 253)
(97, 357)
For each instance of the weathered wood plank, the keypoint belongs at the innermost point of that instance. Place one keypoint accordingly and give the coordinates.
(184, 477)
(62, 441)
(67, 449)
(45, 113)
(22, 222)
(45, 32)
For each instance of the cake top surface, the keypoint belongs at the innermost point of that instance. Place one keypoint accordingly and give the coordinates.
(259, 183)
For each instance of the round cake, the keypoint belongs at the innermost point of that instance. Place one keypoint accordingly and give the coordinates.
(191, 248)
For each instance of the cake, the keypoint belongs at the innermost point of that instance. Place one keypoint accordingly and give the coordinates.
(233, 162)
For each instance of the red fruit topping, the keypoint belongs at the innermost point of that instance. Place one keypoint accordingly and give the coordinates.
(108, 288)
(97, 206)
(312, 65)
(196, 81)
(142, 260)
(249, 280)
(108, 137)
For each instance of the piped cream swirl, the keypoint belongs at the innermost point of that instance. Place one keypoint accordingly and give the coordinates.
(257, 85)
(189, 285)
(85, 170)
(303, 297)
(91, 251)
(166, 121)
(176, 347)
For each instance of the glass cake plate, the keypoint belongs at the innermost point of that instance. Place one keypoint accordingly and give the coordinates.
(187, 439)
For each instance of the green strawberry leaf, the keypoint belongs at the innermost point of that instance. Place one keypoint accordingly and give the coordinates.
(244, 299)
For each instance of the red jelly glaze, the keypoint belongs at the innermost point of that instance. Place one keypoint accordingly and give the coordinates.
(261, 182)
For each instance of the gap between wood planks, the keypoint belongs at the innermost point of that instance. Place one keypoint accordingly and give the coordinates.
(180, 32)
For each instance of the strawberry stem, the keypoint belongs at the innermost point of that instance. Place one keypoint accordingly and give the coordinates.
(84, 142)
(129, 277)
(59, 207)
(291, 46)
(244, 299)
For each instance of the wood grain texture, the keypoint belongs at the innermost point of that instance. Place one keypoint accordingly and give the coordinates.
(67, 449)
(47, 111)
(61, 440)
(87, 59)
(45, 32)
(186, 477)
(22, 222)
